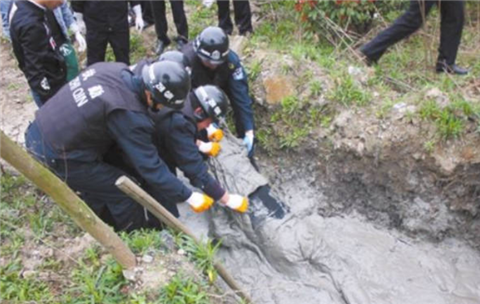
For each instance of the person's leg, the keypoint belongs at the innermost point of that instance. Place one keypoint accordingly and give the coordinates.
(120, 42)
(96, 46)
(243, 16)
(161, 26)
(452, 13)
(96, 183)
(180, 18)
(224, 20)
(404, 26)
(147, 11)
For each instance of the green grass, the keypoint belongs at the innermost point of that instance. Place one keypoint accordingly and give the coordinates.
(316, 88)
(17, 289)
(95, 277)
(140, 241)
(200, 17)
(203, 255)
(182, 290)
(450, 121)
(449, 125)
(254, 69)
(346, 92)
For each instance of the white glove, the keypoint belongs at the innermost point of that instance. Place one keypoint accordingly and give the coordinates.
(208, 3)
(237, 203)
(248, 141)
(209, 148)
(80, 24)
(139, 23)
(82, 44)
(214, 133)
(199, 202)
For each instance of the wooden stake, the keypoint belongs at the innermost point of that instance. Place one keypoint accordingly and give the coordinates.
(67, 199)
(138, 194)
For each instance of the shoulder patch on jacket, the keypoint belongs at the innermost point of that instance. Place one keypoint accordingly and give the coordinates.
(238, 73)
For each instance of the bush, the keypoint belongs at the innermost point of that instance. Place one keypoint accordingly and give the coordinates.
(354, 16)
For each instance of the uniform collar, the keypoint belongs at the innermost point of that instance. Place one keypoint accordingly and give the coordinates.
(134, 84)
(38, 5)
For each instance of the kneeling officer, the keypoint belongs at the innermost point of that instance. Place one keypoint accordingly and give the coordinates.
(177, 141)
(107, 106)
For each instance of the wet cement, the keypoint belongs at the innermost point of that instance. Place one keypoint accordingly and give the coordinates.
(306, 258)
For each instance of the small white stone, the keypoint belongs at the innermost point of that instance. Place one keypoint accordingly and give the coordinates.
(29, 273)
(129, 275)
(147, 259)
(181, 252)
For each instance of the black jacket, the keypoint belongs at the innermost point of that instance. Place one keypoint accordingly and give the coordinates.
(175, 136)
(36, 50)
(104, 107)
(104, 16)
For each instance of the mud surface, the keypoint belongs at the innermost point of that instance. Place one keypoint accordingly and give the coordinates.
(308, 258)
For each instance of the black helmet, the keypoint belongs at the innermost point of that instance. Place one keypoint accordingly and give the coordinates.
(178, 57)
(213, 102)
(212, 45)
(168, 82)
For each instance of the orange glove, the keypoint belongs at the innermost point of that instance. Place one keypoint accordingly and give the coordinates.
(210, 148)
(199, 202)
(238, 203)
(214, 133)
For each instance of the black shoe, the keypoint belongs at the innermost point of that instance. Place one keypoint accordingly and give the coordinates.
(161, 47)
(181, 41)
(442, 67)
(367, 60)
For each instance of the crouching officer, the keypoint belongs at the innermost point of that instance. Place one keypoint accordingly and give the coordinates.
(214, 63)
(176, 138)
(107, 106)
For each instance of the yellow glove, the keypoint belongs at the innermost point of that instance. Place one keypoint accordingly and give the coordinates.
(214, 133)
(238, 203)
(210, 148)
(199, 202)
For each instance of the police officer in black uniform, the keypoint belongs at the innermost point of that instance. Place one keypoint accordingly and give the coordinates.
(161, 26)
(107, 106)
(177, 140)
(214, 63)
(107, 22)
(452, 18)
(242, 13)
(36, 40)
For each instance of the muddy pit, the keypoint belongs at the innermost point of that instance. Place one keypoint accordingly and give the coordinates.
(356, 231)
(323, 253)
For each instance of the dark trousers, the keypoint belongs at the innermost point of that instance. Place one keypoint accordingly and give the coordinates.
(97, 45)
(96, 183)
(452, 19)
(179, 18)
(242, 13)
(147, 11)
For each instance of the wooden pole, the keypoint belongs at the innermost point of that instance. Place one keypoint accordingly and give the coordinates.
(67, 199)
(138, 194)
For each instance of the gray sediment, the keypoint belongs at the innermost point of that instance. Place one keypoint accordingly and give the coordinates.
(308, 258)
